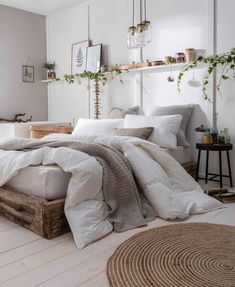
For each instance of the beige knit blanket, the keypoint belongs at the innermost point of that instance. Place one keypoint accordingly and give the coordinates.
(127, 206)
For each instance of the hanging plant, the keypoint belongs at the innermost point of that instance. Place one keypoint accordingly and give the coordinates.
(98, 78)
(226, 61)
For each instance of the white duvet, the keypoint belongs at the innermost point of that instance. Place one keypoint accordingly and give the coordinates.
(169, 188)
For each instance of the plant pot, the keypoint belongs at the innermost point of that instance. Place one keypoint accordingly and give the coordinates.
(190, 55)
(208, 139)
(51, 75)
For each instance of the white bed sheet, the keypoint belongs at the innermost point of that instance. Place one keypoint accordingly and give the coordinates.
(47, 182)
(181, 154)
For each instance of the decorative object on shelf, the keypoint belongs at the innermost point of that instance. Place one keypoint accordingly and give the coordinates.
(140, 35)
(93, 62)
(221, 138)
(170, 60)
(51, 75)
(190, 54)
(126, 67)
(17, 119)
(208, 139)
(79, 56)
(28, 74)
(226, 60)
(200, 133)
(170, 78)
(157, 63)
(227, 139)
(98, 78)
(180, 57)
(193, 82)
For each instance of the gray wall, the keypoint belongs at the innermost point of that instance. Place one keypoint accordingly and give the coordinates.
(22, 35)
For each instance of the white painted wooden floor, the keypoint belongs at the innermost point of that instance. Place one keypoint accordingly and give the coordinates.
(29, 260)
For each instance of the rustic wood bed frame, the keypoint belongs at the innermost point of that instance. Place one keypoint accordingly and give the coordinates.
(45, 218)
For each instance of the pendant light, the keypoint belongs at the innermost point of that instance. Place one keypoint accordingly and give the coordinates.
(147, 24)
(141, 30)
(132, 32)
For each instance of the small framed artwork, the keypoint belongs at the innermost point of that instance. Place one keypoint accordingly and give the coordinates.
(79, 56)
(93, 62)
(28, 74)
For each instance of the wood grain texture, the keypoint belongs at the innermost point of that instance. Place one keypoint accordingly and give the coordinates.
(39, 131)
(44, 218)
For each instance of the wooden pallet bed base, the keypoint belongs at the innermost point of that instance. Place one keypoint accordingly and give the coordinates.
(45, 218)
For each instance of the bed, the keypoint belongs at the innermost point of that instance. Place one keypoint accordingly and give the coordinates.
(102, 175)
(45, 194)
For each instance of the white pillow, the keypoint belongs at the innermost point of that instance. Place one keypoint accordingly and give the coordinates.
(184, 110)
(165, 128)
(97, 127)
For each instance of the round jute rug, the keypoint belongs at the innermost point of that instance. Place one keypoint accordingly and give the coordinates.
(181, 255)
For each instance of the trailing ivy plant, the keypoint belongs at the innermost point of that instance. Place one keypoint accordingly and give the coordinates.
(99, 77)
(226, 61)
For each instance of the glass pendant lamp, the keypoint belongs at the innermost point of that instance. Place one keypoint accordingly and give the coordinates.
(141, 35)
(132, 33)
(147, 24)
(141, 30)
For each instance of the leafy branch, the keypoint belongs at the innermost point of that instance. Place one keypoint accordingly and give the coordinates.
(226, 60)
(98, 76)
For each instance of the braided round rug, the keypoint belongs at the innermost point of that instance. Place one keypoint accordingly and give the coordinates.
(181, 255)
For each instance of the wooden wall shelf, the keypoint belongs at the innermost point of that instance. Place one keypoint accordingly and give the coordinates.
(147, 70)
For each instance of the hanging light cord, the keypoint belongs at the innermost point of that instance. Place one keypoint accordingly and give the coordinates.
(141, 12)
(133, 19)
(145, 10)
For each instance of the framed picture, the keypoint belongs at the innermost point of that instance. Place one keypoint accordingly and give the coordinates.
(79, 56)
(28, 74)
(93, 62)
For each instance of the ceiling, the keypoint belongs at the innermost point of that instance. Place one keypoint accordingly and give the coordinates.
(43, 7)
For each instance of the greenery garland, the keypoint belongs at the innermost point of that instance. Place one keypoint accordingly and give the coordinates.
(226, 60)
(99, 76)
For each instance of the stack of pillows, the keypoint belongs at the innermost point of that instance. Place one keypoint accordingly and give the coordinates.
(164, 126)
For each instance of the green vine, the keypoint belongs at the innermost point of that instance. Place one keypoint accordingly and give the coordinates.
(100, 77)
(226, 60)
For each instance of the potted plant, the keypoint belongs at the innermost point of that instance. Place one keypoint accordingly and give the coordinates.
(208, 139)
(51, 75)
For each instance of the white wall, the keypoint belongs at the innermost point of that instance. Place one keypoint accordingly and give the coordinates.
(22, 35)
(177, 24)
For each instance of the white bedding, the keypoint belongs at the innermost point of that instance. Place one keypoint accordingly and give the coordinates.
(47, 182)
(181, 154)
(169, 188)
(51, 182)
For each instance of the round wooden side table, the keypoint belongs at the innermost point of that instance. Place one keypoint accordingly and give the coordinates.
(219, 148)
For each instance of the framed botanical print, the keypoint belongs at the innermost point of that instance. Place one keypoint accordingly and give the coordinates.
(79, 57)
(28, 74)
(94, 54)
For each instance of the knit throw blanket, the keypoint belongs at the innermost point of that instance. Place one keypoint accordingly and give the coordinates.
(127, 207)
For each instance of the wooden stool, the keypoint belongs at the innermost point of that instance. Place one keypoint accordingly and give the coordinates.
(219, 148)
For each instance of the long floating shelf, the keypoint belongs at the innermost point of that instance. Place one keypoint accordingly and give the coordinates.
(52, 81)
(147, 70)
(163, 68)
